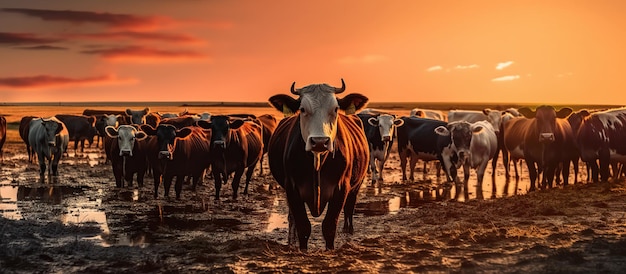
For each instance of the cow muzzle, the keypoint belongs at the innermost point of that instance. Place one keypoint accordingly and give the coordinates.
(126, 153)
(546, 137)
(166, 155)
(319, 144)
(52, 144)
(219, 143)
(386, 138)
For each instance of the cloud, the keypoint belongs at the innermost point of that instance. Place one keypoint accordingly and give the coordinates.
(145, 54)
(472, 66)
(434, 68)
(115, 20)
(43, 47)
(24, 38)
(150, 36)
(503, 65)
(366, 59)
(51, 81)
(505, 78)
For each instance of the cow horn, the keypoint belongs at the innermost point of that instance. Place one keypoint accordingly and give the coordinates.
(294, 90)
(343, 87)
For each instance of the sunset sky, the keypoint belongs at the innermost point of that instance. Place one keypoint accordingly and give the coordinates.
(555, 51)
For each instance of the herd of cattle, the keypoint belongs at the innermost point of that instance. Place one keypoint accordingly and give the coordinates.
(321, 155)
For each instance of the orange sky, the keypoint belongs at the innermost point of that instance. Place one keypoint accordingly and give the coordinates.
(420, 51)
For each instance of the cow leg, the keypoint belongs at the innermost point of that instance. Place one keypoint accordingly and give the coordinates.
(505, 162)
(167, 183)
(403, 166)
(412, 163)
(156, 175)
(329, 225)
(565, 172)
(236, 181)
(532, 173)
(494, 161)
(42, 168)
(604, 159)
(381, 168)
(348, 210)
(140, 174)
(249, 172)
(466, 175)
(372, 168)
(217, 177)
(178, 187)
(299, 216)
(480, 174)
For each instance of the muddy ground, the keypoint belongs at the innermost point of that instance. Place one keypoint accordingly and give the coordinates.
(81, 222)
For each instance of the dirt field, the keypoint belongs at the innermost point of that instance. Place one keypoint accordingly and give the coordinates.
(81, 223)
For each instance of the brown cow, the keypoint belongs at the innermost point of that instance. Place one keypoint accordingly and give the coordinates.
(3, 135)
(269, 123)
(320, 157)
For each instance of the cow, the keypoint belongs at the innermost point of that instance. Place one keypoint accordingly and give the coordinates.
(494, 117)
(236, 146)
(269, 123)
(3, 136)
(181, 152)
(473, 145)
(319, 156)
(547, 141)
(512, 131)
(127, 155)
(137, 116)
(379, 131)
(179, 122)
(80, 128)
(104, 120)
(417, 140)
(49, 138)
(23, 129)
(429, 113)
(601, 139)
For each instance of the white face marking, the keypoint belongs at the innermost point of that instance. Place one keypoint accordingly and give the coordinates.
(318, 115)
(386, 126)
(111, 120)
(126, 139)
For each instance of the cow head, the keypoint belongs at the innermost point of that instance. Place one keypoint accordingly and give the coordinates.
(126, 137)
(166, 138)
(460, 133)
(318, 108)
(220, 126)
(494, 117)
(137, 116)
(52, 127)
(386, 124)
(545, 117)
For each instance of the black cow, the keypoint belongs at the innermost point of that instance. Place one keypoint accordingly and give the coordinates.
(24, 129)
(3, 135)
(269, 123)
(547, 141)
(601, 139)
(236, 146)
(181, 152)
(380, 129)
(417, 140)
(137, 116)
(80, 128)
(179, 122)
(319, 156)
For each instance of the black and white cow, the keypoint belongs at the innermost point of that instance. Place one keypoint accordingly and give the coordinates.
(417, 140)
(380, 132)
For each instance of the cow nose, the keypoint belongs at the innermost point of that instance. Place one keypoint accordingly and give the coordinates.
(546, 137)
(319, 143)
(461, 154)
(164, 155)
(126, 153)
(386, 138)
(219, 143)
(52, 144)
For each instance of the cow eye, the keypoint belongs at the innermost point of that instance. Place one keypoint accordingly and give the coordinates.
(302, 110)
(336, 109)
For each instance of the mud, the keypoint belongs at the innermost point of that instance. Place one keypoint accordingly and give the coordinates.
(80, 222)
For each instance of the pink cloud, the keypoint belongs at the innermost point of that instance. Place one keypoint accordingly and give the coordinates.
(146, 54)
(150, 36)
(51, 81)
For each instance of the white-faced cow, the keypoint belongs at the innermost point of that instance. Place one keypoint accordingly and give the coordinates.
(601, 139)
(127, 155)
(380, 130)
(319, 156)
(3, 135)
(49, 139)
(417, 140)
(236, 146)
(547, 142)
(429, 113)
(473, 144)
(181, 152)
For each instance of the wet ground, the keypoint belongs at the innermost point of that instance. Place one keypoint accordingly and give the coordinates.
(80, 222)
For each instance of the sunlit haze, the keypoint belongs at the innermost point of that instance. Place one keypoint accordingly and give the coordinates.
(391, 51)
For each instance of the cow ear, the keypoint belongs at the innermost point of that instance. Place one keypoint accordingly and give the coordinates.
(235, 124)
(203, 124)
(183, 132)
(372, 121)
(129, 111)
(140, 135)
(352, 102)
(148, 129)
(59, 128)
(564, 112)
(398, 122)
(527, 112)
(477, 129)
(111, 131)
(92, 120)
(486, 111)
(146, 111)
(285, 104)
(443, 131)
